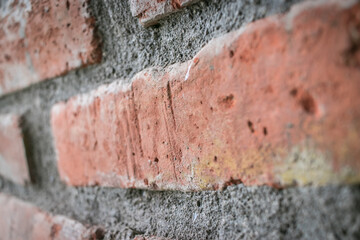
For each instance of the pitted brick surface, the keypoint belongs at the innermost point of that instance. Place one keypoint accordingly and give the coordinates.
(250, 107)
(44, 39)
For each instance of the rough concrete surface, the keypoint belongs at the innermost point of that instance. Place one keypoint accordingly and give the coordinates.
(239, 212)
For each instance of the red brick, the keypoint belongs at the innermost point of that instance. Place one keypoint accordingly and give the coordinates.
(275, 103)
(44, 39)
(150, 11)
(13, 164)
(21, 220)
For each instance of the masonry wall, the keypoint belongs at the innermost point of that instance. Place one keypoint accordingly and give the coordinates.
(179, 119)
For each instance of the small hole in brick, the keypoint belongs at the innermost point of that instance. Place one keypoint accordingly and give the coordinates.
(215, 159)
(231, 53)
(154, 186)
(265, 131)
(293, 92)
(133, 154)
(308, 103)
(251, 126)
(146, 181)
(156, 160)
(67, 5)
(226, 101)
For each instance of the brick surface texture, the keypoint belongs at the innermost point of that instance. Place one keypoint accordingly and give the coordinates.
(13, 164)
(44, 39)
(150, 11)
(275, 103)
(21, 220)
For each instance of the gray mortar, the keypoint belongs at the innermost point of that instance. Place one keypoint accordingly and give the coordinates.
(239, 212)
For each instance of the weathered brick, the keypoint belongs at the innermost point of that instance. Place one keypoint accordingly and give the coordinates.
(21, 220)
(44, 39)
(13, 164)
(150, 11)
(274, 103)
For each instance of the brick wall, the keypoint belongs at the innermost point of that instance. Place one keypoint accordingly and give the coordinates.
(179, 119)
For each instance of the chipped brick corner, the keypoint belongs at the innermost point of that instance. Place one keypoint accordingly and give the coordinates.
(150, 12)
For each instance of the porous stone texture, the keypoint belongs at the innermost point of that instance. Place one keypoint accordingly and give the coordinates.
(239, 212)
(150, 11)
(20, 220)
(259, 212)
(248, 108)
(13, 163)
(44, 39)
(140, 237)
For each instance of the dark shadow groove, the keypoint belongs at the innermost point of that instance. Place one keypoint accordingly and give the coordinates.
(29, 144)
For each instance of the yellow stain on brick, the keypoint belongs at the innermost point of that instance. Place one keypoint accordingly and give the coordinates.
(210, 171)
(305, 165)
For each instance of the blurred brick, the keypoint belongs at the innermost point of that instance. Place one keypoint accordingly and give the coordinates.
(44, 39)
(150, 11)
(275, 103)
(13, 164)
(21, 220)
